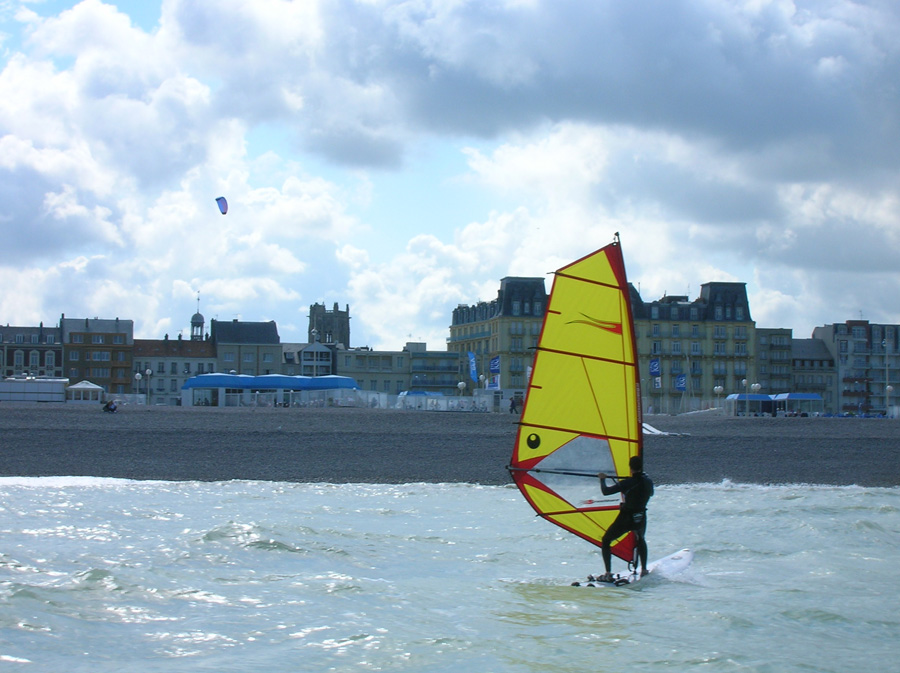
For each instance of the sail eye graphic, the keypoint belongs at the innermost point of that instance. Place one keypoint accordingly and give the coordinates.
(534, 441)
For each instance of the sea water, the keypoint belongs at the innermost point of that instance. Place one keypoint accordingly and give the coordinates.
(110, 575)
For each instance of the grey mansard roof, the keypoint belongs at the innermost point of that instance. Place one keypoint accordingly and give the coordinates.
(236, 332)
(810, 349)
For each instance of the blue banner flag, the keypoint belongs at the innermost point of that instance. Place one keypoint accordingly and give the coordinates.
(495, 365)
(654, 367)
(473, 369)
(681, 382)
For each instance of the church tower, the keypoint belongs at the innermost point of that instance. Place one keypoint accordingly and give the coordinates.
(197, 322)
(329, 327)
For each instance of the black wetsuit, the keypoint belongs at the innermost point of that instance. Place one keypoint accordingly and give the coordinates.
(636, 490)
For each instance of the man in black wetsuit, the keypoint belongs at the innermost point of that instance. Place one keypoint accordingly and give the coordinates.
(636, 491)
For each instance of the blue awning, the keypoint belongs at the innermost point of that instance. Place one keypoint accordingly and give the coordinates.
(798, 397)
(270, 382)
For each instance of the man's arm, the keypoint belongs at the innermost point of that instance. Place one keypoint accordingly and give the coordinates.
(609, 490)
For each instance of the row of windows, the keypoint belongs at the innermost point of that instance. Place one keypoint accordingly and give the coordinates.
(518, 306)
(248, 357)
(176, 367)
(117, 339)
(95, 372)
(513, 327)
(719, 331)
(719, 368)
(518, 327)
(34, 359)
(861, 347)
(677, 348)
(97, 356)
(677, 312)
(377, 362)
(812, 379)
(814, 364)
(395, 387)
(32, 338)
(160, 385)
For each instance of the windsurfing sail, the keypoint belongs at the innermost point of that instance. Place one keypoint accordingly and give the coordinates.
(582, 413)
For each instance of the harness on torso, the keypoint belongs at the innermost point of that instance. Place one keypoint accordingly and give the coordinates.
(636, 495)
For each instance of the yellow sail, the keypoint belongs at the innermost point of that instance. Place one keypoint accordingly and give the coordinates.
(582, 412)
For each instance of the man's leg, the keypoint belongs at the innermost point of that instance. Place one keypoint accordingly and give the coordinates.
(619, 527)
(640, 528)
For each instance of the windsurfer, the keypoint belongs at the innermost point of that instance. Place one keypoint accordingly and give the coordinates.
(636, 491)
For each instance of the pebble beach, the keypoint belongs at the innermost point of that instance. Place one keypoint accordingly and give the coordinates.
(347, 445)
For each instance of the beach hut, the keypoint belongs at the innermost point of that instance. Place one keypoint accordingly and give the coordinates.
(748, 404)
(31, 389)
(85, 391)
(799, 403)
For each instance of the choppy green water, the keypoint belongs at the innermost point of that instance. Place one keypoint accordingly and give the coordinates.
(114, 575)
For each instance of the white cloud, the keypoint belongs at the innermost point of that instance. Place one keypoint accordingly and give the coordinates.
(755, 141)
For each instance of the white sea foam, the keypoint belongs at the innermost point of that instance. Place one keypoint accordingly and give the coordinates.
(111, 575)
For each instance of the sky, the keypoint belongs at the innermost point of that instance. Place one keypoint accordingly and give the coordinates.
(401, 157)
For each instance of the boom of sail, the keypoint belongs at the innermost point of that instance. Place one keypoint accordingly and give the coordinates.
(582, 413)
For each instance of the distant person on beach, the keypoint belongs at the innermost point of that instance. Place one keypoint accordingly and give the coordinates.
(512, 405)
(636, 490)
(110, 407)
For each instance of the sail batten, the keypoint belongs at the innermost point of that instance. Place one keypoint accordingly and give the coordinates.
(583, 280)
(584, 356)
(599, 436)
(582, 411)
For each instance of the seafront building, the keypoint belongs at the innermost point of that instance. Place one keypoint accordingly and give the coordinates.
(692, 354)
(99, 351)
(495, 340)
(774, 355)
(162, 366)
(412, 369)
(814, 372)
(307, 359)
(250, 348)
(866, 357)
(31, 351)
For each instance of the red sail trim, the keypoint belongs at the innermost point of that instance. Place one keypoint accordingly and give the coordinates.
(613, 254)
(613, 327)
(581, 510)
(560, 429)
(586, 357)
(618, 286)
(624, 549)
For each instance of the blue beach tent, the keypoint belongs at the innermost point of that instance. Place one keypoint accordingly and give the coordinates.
(218, 389)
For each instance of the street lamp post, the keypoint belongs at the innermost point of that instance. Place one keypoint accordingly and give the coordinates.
(148, 373)
(315, 336)
(718, 390)
(746, 384)
(888, 388)
(137, 383)
(755, 388)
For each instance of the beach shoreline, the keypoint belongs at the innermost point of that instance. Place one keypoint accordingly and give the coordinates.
(349, 445)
